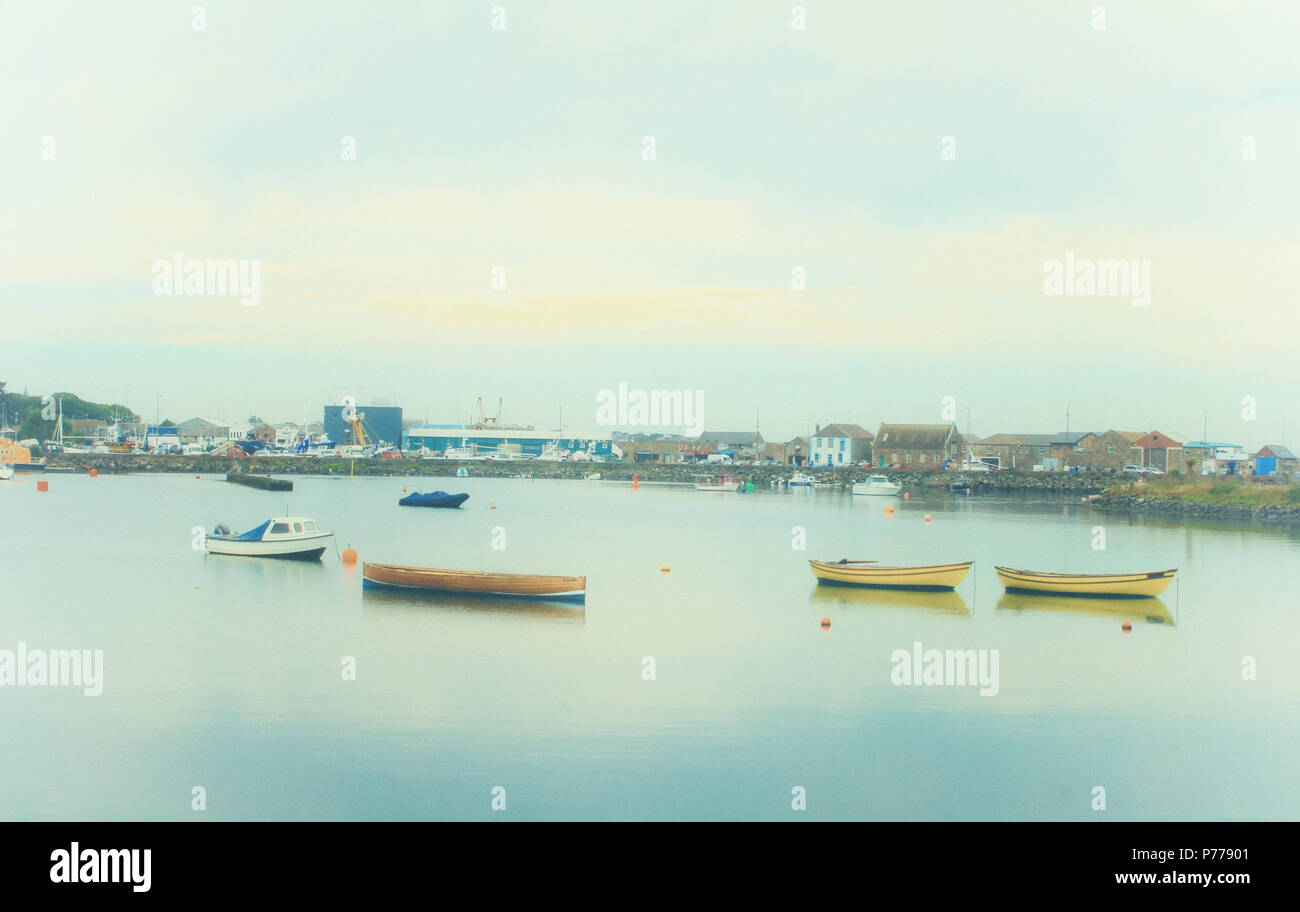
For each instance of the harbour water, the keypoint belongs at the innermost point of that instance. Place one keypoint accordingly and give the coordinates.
(227, 673)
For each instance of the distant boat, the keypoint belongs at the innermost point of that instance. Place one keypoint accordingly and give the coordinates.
(474, 582)
(592, 476)
(877, 484)
(6, 471)
(462, 472)
(800, 480)
(286, 537)
(857, 573)
(434, 499)
(717, 484)
(960, 485)
(1087, 585)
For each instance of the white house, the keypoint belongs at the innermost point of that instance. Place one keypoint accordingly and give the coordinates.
(839, 445)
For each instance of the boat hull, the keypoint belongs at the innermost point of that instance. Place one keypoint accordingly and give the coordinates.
(305, 549)
(876, 490)
(474, 582)
(441, 499)
(933, 578)
(1087, 585)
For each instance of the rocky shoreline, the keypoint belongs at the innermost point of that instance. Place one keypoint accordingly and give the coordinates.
(1191, 509)
(116, 464)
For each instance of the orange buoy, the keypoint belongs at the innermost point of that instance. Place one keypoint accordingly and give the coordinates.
(906, 496)
(196, 478)
(349, 555)
(1126, 627)
(664, 568)
(826, 623)
(492, 506)
(94, 473)
(42, 485)
(403, 487)
(928, 517)
(636, 481)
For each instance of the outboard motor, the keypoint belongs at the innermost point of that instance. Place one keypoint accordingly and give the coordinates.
(221, 529)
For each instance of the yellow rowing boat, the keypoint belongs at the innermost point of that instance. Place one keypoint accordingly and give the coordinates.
(857, 573)
(1087, 585)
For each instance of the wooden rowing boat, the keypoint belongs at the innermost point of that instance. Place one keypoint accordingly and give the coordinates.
(1087, 585)
(856, 573)
(475, 582)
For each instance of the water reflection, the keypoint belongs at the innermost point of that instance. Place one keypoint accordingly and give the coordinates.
(945, 602)
(395, 602)
(1152, 610)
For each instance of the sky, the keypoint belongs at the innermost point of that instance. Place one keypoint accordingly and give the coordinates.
(920, 163)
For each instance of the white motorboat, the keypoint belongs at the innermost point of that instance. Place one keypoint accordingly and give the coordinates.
(288, 537)
(877, 484)
(720, 484)
(6, 471)
(800, 480)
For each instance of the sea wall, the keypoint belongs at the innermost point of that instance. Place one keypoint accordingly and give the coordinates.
(118, 463)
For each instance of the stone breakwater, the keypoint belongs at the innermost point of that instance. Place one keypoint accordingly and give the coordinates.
(116, 463)
(1191, 509)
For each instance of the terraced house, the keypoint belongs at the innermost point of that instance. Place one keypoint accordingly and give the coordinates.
(840, 445)
(918, 446)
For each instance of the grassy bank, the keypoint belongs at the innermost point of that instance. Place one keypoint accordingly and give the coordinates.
(1211, 491)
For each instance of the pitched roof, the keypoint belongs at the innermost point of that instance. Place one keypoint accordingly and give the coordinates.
(730, 438)
(1072, 437)
(1158, 441)
(844, 430)
(1132, 436)
(1002, 440)
(1276, 449)
(916, 436)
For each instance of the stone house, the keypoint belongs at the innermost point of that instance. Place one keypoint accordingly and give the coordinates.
(918, 446)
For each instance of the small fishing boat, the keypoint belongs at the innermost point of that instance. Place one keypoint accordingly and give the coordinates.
(858, 573)
(716, 484)
(960, 486)
(286, 537)
(6, 471)
(474, 582)
(1087, 585)
(877, 484)
(800, 480)
(433, 499)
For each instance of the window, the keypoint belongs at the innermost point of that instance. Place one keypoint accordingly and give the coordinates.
(311, 526)
(909, 457)
(280, 529)
(842, 442)
(297, 527)
(1111, 449)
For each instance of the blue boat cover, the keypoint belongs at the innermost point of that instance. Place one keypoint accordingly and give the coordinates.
(255, 534)
(436, 499)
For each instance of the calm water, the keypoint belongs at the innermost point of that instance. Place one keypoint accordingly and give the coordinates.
(225, 673)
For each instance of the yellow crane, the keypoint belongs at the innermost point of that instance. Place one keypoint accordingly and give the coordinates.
(355, 420)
